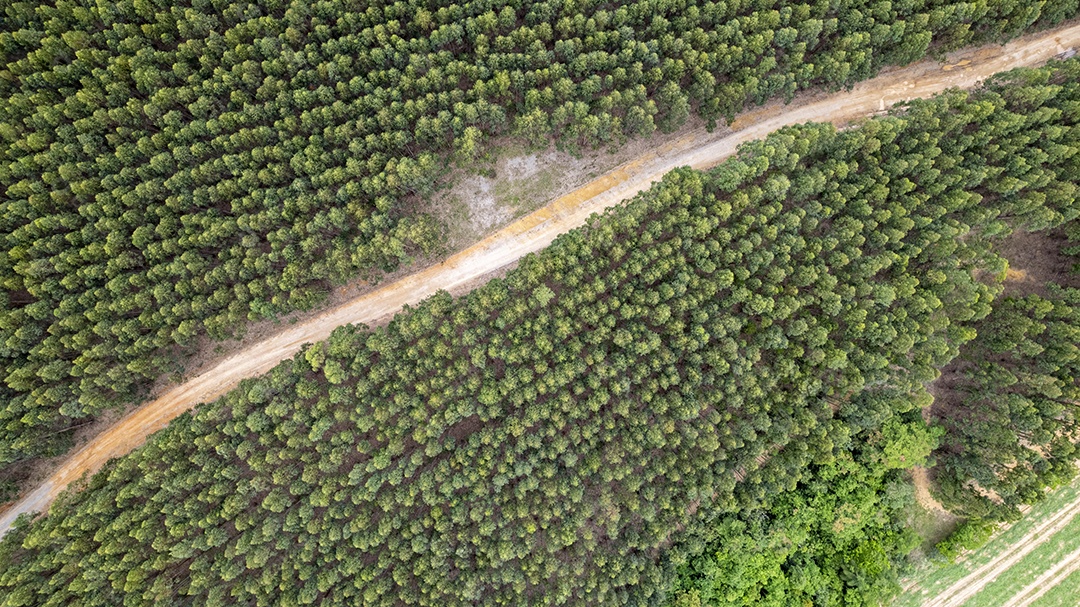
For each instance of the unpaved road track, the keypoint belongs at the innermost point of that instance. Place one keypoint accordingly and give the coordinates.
(536, 230)
(1045, 582)
(970, 585)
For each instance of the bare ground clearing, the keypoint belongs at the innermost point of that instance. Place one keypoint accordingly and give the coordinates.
(1035, 260)
(921, 479)
(536, 230)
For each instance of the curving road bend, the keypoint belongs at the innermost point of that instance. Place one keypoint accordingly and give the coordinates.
(536, 230)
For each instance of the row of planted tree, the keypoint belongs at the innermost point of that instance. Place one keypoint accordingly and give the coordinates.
(174, 168)
(1011, 414)
(733, 357)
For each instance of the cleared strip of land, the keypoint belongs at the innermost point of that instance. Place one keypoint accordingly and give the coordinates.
(1046, 536)
(538, 229)
(1061, 595)
(1042, 584)
(966, 588)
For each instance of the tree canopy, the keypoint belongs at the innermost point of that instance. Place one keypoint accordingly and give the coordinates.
(737, 353)
(171, 169)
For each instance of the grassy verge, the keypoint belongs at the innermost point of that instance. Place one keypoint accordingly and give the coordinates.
(1012, 581)
(933, 578)
(1062, 595)
(932, 526)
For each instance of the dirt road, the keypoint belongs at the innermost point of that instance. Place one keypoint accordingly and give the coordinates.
(536, 230)
(1045, 582)
(972, 583)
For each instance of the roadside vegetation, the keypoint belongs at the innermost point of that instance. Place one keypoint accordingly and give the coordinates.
(734, 359)
(1049, 521)
(174, 169)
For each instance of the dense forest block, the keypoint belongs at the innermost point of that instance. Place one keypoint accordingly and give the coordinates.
(175, 169)
(734, 353)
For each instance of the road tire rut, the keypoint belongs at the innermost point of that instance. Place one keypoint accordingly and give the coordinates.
(971, 584)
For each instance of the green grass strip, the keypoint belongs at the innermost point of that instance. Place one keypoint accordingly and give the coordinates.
(932, 579)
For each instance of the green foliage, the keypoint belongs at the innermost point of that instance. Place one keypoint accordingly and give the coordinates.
(1012, 432)
(970, 535)
(723, 361)
(830, 540)
(904, 444)
(171, 170)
